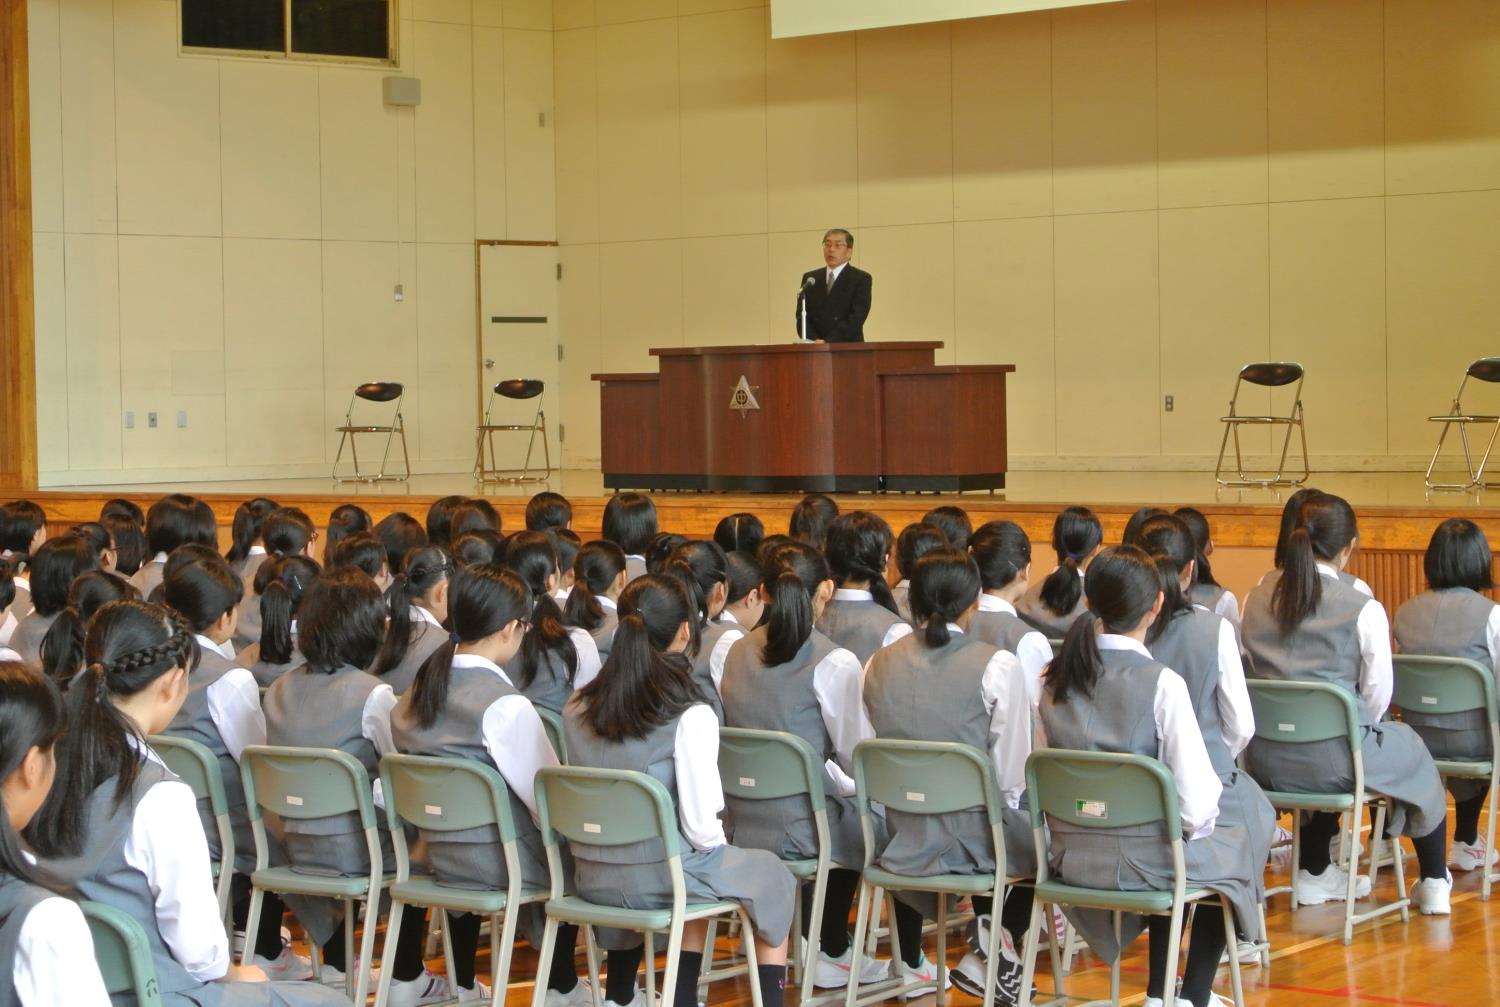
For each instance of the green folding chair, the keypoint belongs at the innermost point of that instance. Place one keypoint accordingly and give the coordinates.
(1309, 712)
(451, 795)
(552, 723)
(1103, 790)
(618, 807)
(924, 778)
(1444, 685)
(767, 765)
(310, 783)
(196, 766)
(123, 953)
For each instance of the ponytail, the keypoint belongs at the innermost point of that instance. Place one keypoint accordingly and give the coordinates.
(1122, 585)
(701, 566)
(482, 600)
(1325, 526)
(794, 571)
(944, 586)
(281, 582)
(1075, 535)
(1078, 664)
(429, 691)
(1167, 539)
(425, 569)
(245, 528)
(595, 569)
(858, 550)
(533, 558)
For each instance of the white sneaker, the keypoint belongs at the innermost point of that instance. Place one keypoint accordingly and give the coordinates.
(285, 967)
(479, 993)
(1433, 896)
(1471, 856)
(831, 973)
(427, 988)
(639, 1000)
(1214, 1000)
(1330, 886)
(1248, 952)
(238, 944)
(925, 973)
(581, 993)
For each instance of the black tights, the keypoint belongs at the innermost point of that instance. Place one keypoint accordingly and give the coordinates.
(833, 929)
(1319, 828)
(1205, 945)
(1466, 817)
(409, 963)
(268, 931)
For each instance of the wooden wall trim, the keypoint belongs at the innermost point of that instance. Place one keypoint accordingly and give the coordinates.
(18, 459)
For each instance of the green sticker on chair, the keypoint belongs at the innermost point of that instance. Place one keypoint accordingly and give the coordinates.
(1091, 809)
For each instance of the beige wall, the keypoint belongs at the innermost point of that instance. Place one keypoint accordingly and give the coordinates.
(223, 236)
(1126, 201)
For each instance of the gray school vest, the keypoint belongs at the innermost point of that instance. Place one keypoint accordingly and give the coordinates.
(308, 708)
(425, 638)
(458, 733)
(21, 605)
(779, 697)
(1453, 622)
(859, 626)
(148, 577)
(1029, 606)
(17, 900)
(265, 672)
(1207, 595)
(1119, 717)
(248, 629)
(1000, 629)
(1325, 648)
(708, 639)
(902, 594)
(604, 633)
(101, 874)
(651, 755)
(918, 693)
(549, 687)
(1189, 645)
(194, 722)
(27, 639)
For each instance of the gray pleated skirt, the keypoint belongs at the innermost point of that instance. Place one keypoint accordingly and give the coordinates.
(1243, 803)
(339, 855)
(925, 845)
(785, 828)
(1457, 737)
(482, 865)
(1397, 765)
(278, 994)
(755, 879)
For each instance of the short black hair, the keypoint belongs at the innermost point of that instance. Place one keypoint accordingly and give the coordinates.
(1459, 556)
(341, 621)
(362, 550)
(548, 510)
(953, 522)
(401, 533)
(177, 520)
(630, 522)
(440, 519)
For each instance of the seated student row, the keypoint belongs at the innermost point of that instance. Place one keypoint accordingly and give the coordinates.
(812, 584)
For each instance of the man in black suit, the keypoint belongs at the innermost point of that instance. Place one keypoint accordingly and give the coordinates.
(838, 295)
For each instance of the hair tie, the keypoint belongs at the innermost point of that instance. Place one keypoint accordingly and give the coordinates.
(454, 639)
(1076, 557)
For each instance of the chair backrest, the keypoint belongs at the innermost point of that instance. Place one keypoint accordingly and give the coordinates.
(552, 723)
(1485, 369)
(1304, 712)
(1100, 790)
(1443, 685)
(766, 765)
(1271, 373)
(925, 777)
(604, 807)
(379, 391)
(196, 766)
(306, 783)
(124, 956)
(445, 795)
(520, 388)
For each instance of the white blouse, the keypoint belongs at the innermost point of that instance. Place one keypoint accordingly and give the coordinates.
(54, 961)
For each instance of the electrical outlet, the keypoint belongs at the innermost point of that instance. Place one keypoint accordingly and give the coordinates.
(400, 292)
(1169, 403)
(151, 420)
(129, 420)
(181, 419)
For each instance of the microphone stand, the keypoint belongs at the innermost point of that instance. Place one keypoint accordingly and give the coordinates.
(802, 296)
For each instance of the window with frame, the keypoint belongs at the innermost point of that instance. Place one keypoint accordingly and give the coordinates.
(293, 29)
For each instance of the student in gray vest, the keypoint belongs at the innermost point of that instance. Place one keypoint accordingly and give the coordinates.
(1206, 590)
(222, 713)
(46, 953)
(1002, 552)
(1302, 623)
(645, 713)
(61, 655)
(598, 579)
(1205, 651)
(744, 607)
(174, 520)
(23, 530)
(331, 703)
(1056, 603)
(861, 616)
(555, 659)
(704, 571)
(245, 555)
(943, 683)
(1452, 619)
(1105, 693)
(463, 706)
(785, 675)
(120, 829)
(280, 584)
(1290, 520)
(53, 569)
(630, 523)
(914, 542)
(419, 607)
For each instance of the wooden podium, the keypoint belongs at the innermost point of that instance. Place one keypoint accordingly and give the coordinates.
(804, 417)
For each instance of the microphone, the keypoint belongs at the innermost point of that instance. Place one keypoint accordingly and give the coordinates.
(809, 282)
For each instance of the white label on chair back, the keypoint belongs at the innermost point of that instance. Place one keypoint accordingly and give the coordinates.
(1287, 728)
(294, 800)
(433, 809)
(916, 796)
(1091, 809)
(591, 827)
(747, 781)
(1429, 700)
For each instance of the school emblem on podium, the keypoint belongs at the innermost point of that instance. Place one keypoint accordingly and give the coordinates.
(743, 397)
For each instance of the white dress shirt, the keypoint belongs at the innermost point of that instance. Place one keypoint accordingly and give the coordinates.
(695, 762)
(838, 684)
(167, 844)
(1376, 673)
(6, 654)
(419, 614)
(1005, 688)
(8, 627)
(1179, 744)
(1033, 649)
(234, 703)
(898, 629)
(1228, 606)
(717, 656)
(1236, 718)
(1492, 636)
(54, 961)
(588, 657)
(836, 270)
(513, 735)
